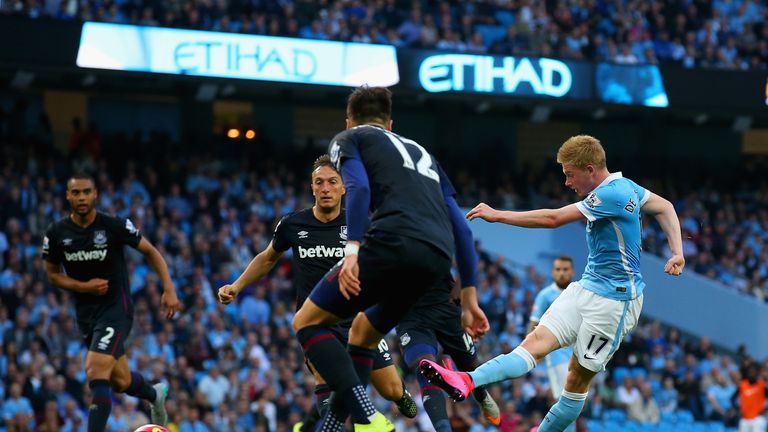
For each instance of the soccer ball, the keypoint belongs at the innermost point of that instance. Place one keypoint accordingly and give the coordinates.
(151, 428)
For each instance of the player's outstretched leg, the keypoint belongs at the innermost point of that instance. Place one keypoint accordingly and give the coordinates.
(458, 385)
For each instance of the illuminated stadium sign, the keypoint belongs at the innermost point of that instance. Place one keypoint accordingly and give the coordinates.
(440, 72)
(227, 55)
(447, 72)
(631, 85)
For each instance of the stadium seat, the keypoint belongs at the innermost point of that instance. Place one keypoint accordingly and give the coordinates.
(505, 18)
(668, 417)
(639, 372)
(491, 33)
(684, 417)
(619, 373)
(615, 415)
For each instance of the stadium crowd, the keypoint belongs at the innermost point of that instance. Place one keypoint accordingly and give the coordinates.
(239, 368)
(725, 34)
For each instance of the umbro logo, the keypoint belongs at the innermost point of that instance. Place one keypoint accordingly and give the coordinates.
(303, 234)
(67, 242)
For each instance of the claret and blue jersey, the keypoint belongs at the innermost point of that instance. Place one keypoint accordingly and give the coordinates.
(613, 238)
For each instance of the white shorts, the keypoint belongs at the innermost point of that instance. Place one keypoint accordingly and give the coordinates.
(592, 324)
(557, 373)
(756, 424)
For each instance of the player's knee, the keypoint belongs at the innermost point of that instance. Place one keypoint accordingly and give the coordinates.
(120, 383)
(540, 343)
(96, 371)
(301, 319)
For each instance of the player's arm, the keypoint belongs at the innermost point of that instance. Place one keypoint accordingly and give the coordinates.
(169, 300)
(358, 202)
(156, 261)
(473, 318)
(666, 216)
(543, 218)
(58, 278)
(259, 266)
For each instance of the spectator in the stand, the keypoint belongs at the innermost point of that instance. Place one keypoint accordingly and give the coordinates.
(667, 397)
(628, 394)
(644, 409)
(719, 397)
(17, 408)
(214, 386)
(722, 37)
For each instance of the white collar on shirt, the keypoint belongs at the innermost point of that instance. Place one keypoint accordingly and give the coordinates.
(610, 178)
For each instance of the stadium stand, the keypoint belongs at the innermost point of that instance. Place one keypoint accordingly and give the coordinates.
(723, 34)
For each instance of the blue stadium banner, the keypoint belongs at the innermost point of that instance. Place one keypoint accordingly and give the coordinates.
(229, 55)
(438, 72)
(631, 85)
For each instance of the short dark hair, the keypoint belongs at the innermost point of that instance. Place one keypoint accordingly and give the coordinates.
(369, 104)
(565, 258)
(323, 161)
(81, 176)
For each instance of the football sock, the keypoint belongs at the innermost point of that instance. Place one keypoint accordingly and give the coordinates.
(433, 399)
(322, 396)
(140, 389)
(101, 405)
(511, 365)
(563, 413)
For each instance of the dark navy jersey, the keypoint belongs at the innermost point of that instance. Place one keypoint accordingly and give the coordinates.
(406, 196)
(317, 246)
(95, 251)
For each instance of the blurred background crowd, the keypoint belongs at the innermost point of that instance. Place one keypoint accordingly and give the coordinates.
(724, 34)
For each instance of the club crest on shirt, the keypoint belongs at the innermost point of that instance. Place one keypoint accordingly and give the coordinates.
(404, 339)
(343, 232)
(592, 200)
(100, 238)
(334, 153)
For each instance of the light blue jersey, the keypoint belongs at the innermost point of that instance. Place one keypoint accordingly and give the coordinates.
(543, 300)
(613, 238)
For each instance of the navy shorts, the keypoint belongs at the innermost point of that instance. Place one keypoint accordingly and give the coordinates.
(107, 336)
(425, 327)
(394, 272)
